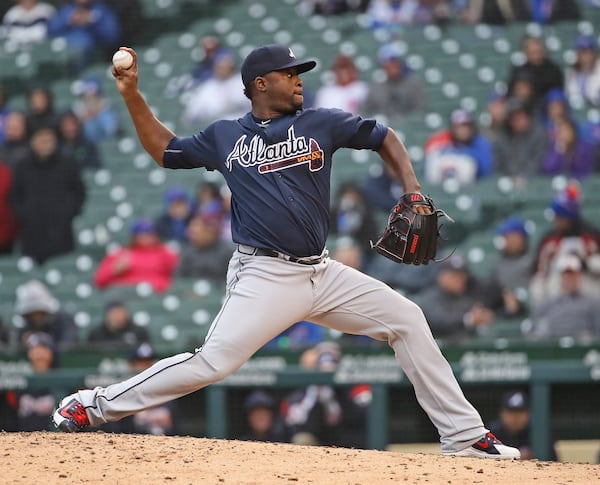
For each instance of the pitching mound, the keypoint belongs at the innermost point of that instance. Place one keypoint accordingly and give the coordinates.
(131, 459)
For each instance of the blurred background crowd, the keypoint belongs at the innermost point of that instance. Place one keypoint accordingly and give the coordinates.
(90, 234)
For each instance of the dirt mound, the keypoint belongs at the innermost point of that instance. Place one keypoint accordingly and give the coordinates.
(130, 459)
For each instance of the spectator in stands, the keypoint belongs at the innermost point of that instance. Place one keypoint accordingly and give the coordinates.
(207, 194)
(16, 142)
(299, 336)
(545, 73)
(569, 154)
(582, 79)
(89, 27)
(145, 260)
(74, 144)
(393, 14)
(205, 255)
(400, 93)
(570, 233)
(406, 279)
(313, 415)
(336, 7)
(513, 425)
(100, 120)
(511, 272)
(8, 221)
(351, 216)
(46, 196)
(520, 149)
(6, 338)
(118, 327)
(349, 252)
(26, 23)
(347, 91)
(454, 306)
(555, 108)
(40, 110)
(324, 415)
(500, 12)
(131, 19)
(210, 197)
(159, 420)
(217, 97)
(4, 111)
(523, 90)
(41, 312)
(381, 189)
(173, 223)
(572, 313)
(211, 50)
(30, 407)
(263, 421)
(494, 119)
(459, 152)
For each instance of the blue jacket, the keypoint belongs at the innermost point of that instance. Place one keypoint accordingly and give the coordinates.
(104, 30)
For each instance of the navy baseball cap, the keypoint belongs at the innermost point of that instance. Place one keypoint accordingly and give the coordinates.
(272, 57)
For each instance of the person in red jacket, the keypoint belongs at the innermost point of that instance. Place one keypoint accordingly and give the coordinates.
(146, 259)
(8, 222)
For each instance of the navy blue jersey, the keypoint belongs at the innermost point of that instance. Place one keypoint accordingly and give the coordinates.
(278, 172)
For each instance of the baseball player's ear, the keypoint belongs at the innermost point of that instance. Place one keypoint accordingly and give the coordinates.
(260, 83)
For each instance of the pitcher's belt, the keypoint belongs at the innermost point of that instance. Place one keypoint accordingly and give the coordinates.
(251, 251)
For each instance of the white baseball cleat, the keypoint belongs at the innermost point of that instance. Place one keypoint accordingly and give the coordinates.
(489, 447)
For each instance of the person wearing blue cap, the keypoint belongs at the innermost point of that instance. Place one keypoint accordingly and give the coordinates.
(512, 271)
(100, 120)
(172, 224)
(459, 152)
(582, 78)
(399, 93)
(569, 233)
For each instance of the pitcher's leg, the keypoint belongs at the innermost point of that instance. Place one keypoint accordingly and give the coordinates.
(358, 304)
(257, 308)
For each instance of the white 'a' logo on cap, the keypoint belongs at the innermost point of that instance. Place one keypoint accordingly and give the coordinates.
(291, 53)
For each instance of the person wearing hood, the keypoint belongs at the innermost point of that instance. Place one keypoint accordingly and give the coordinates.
(40, 312)
(40, 109)
(47, 194)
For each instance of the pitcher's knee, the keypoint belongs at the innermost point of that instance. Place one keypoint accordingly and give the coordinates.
(210, 372)
(410, 317)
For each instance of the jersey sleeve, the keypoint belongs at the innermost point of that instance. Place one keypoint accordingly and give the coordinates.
(191, 152)
(351, 131)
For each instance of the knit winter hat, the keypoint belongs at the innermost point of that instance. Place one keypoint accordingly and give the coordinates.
(567, 204)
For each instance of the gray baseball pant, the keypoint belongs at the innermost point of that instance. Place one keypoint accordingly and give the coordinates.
(267, 295)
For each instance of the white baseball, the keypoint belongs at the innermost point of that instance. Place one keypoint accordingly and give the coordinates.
(122, 59)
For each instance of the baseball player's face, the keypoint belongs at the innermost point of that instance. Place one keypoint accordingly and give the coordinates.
(285, 89)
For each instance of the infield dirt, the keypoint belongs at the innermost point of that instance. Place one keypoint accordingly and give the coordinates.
(48, 458)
